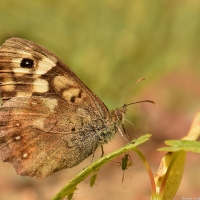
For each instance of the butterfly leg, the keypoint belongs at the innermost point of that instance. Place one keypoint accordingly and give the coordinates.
(92, 158)
(123, 133)
(92, 155)
(102, 151)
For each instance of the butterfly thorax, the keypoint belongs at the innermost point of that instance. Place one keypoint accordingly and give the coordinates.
(114, 124)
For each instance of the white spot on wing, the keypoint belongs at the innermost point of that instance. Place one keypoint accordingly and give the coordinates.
(44, 66)
(40, 85)
(51, 104)
(25, 155)
(17, 124)
(39, 123)
(18, 137)
(24, 94)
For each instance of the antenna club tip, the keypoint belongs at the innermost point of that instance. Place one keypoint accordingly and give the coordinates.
(153, 102)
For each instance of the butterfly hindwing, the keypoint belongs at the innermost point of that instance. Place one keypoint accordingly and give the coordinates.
(33, 130)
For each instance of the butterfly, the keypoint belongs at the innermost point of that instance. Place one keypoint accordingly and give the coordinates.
(49, 119)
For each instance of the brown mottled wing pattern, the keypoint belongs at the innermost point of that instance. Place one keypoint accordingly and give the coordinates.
(49, 120)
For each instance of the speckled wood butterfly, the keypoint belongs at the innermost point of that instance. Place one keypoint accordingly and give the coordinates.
(49, 119)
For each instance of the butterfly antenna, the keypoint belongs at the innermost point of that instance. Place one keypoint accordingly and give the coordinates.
(147, 101)
(141, 79)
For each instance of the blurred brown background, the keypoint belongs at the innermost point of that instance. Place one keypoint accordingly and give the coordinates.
(109, 45)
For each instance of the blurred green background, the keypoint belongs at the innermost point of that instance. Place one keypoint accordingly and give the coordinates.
(111, 44)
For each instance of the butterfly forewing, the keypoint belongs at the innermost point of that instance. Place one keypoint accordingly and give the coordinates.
(27, 69)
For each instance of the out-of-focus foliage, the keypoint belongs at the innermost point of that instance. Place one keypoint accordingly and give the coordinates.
(110, 43)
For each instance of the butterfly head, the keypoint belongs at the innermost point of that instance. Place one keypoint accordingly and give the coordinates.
(120, 113)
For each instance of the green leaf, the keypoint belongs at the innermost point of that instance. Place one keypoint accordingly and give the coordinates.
(185, 145)
(169, 175)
